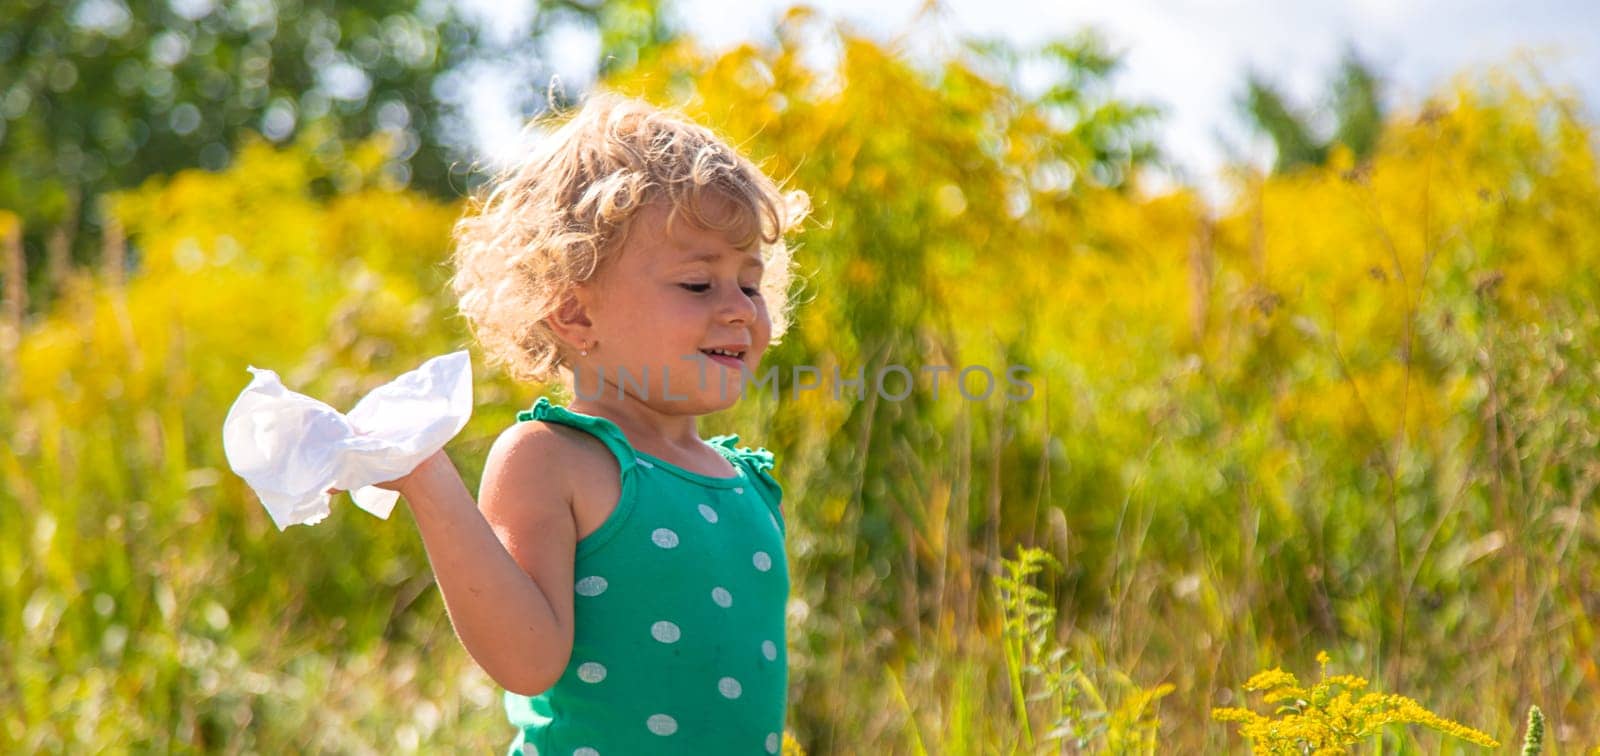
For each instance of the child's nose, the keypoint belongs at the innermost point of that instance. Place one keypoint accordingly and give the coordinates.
(737, 306)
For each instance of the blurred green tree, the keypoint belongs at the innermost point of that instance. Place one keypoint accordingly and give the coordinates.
(102, 94)
(1354, 100)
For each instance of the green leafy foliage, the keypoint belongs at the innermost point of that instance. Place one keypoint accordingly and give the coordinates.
(102, 95)
(1358, 405)
(1354, 102)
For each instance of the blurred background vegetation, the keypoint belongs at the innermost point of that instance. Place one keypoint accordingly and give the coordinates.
(1355, 408)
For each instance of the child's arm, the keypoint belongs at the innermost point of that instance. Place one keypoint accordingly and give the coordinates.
(505, 572)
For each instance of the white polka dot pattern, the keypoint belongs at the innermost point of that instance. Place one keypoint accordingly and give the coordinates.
(681, 531)
(665, 631)
(591, 672)
(661, 724)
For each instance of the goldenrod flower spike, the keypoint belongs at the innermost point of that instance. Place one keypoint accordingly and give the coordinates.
(1329, 718)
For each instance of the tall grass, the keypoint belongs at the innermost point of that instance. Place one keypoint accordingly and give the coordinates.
(1357, 410)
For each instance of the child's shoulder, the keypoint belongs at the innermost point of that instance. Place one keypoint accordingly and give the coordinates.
(560, 448)
(555, 458)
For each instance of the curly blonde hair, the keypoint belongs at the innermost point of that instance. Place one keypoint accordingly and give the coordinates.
(553, 220)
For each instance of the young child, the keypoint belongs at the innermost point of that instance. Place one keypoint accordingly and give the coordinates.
(624, 580)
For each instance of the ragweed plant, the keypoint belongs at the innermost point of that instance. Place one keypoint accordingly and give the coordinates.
(1033, 660)
(1533, 739)
(1329, 718)
(1041, 673)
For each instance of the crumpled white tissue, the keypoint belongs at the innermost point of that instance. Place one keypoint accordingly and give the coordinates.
(291, 448)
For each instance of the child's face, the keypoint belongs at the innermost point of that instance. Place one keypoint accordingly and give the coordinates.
(664, 301)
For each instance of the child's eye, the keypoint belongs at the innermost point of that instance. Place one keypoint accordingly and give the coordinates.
(749, 291)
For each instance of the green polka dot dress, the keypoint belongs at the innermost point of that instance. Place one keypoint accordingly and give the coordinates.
(679, 602)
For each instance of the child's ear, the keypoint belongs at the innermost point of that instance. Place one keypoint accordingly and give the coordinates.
(570, 320)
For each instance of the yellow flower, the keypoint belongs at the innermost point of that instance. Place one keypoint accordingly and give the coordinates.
(1329, 719)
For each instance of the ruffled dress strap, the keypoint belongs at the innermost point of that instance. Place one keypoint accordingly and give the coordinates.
(599, 427)
(612, 437)
(757, 464)
(759, 457)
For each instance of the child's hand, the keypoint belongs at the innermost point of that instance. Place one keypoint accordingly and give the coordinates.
(393, 485)
(398, 484)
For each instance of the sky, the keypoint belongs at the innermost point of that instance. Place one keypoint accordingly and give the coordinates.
(1189, 57)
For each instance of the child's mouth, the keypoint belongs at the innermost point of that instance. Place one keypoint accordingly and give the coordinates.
(732, 358)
